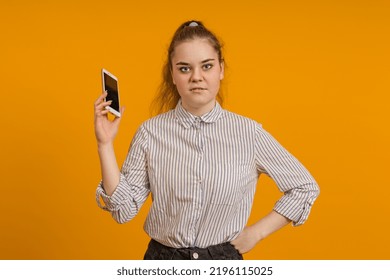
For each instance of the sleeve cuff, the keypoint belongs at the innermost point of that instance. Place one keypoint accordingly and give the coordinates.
(113, 202)
(296, 204)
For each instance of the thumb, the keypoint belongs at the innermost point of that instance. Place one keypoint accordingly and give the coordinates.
(123, 108)
(118, 119)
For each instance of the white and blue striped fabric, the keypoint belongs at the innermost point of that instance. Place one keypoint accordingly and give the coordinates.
(202, 174)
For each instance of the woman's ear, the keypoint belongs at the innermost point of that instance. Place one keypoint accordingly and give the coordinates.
(173, 79)
(222, 74)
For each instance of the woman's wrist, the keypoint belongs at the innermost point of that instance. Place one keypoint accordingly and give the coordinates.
(103, 146)
(259, 232)
(269, 224)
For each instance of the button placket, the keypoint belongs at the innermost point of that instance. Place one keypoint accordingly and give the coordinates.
(198, 196)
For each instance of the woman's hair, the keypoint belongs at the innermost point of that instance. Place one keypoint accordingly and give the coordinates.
(167, 94)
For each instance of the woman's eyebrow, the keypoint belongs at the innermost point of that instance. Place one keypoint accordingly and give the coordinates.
(203, 61)
(208, 60)
(182, 63)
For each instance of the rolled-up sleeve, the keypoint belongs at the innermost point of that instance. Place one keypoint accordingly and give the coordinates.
(292, 178)
(133, 188)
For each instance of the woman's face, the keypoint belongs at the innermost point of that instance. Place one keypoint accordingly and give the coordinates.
(197, 73)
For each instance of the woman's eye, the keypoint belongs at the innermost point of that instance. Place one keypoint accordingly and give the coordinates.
(184, 69)
(207, 66)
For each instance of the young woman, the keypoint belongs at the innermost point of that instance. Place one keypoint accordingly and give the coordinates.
(200, 163)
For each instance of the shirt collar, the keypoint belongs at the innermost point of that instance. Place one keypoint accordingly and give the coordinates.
(187, 119)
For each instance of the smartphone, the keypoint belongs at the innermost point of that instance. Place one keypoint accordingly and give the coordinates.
(110, 84)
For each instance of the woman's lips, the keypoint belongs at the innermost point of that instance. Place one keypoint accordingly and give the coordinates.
(197, 89)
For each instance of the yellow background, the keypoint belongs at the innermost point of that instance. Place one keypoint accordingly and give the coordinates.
(314, 73)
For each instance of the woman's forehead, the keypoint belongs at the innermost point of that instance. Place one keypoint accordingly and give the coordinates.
(195, 50)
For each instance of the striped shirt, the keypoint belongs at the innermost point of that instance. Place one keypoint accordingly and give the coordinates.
(202, 174)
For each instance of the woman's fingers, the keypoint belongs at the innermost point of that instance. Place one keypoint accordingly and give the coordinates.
(104, 112)
(102, 107)
(101, 98)
(100, 103)
(103, 104)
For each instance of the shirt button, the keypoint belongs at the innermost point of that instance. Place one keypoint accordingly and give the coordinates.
(195, 255)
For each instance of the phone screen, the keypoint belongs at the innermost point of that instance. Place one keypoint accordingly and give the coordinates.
(111, 85)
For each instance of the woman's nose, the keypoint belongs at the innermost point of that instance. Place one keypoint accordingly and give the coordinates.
(196, 75)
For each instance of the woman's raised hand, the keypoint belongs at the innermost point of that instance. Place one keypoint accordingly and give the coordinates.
(105, 129)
